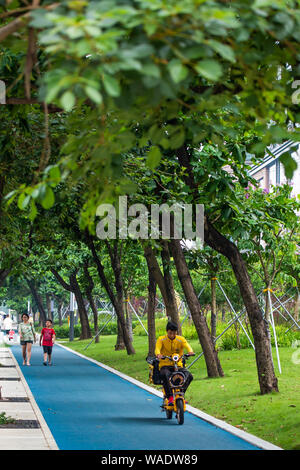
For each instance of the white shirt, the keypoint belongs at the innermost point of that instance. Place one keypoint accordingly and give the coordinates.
(7, 323)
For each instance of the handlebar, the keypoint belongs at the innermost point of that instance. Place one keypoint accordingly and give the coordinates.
(151, 359)
(184, 355)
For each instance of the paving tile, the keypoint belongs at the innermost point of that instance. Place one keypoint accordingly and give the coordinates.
(17, 410)
(22, 439)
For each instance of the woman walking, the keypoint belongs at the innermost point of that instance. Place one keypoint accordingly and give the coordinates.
(27, 338)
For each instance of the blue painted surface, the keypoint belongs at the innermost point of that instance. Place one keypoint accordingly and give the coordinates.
(89, 408)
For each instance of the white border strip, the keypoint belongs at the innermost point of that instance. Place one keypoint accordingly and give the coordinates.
(50, 441)
(262, 444)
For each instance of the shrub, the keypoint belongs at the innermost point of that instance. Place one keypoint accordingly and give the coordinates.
(229, 340)
(111, 328)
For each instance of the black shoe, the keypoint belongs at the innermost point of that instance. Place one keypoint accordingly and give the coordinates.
(45, 363)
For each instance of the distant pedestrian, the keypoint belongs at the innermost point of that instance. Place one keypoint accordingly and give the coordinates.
(27, 338)
(47, 340)
(7, 324)
(11, 335)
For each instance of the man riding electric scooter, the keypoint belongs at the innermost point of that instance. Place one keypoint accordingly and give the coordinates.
(166, 346)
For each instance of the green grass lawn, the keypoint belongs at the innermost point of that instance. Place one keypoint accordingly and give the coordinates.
(235, 398)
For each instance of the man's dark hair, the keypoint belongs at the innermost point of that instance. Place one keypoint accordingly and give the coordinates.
(26, 314)
(171, 326)
(49, 319)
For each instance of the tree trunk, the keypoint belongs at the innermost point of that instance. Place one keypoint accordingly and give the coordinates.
(84, 321)
(116, 265)
(223, 314)
(73, 286)
(168, 296)
(59, 310)
(213, 317)
(266, 375)
(95, 314)
(169, 285)
(211, 358)
(120, 345)
(267, 304)
(151, 314)
(89, 294)
(38, 300)
(128, 316)
(259, 326)
(48, 303)
(3, 275)
(118, 308)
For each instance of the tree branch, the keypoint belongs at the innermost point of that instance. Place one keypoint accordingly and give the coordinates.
(20, 22)
(61, 280)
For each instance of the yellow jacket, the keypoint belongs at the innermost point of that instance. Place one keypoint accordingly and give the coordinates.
(166, 347)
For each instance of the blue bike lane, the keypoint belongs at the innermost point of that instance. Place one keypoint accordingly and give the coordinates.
(87, 407)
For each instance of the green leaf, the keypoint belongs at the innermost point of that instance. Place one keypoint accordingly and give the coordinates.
(153, 157)
(177, 70)
(111, 85)
(33, 211)
(52, 92)
(225, 51)
(289, 164)
(67, 101)
(151, 70)
(54, 173)
(23, 201)
(209, 69)
(49, 199)
(10, 197)
(94, 94)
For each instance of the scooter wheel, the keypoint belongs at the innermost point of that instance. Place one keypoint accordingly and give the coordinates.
(180, 411)
(169, 414)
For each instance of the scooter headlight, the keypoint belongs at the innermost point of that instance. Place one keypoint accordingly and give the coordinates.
(177, 379)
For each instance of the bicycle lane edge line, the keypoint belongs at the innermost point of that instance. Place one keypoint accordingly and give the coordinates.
(250, 438)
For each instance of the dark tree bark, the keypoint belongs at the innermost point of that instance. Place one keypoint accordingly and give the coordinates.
(115, 258)
(213, 318)
(83, 316)
(3, 275)
(59, 310)
(114, 299)
(38, 300)
(90, 297)
(73, 286)
(168, 296)
(151, 311)
(259, 327)
(213, 365)
(266, 374)
(170, 291)
(48, 303)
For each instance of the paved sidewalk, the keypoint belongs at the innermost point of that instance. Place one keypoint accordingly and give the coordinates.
(13, 387)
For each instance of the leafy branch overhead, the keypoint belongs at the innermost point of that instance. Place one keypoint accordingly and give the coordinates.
(152, 76)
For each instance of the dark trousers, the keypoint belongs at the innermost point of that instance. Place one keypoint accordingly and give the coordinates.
(165, 373)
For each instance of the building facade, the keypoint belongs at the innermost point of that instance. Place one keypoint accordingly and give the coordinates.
(270, 172)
